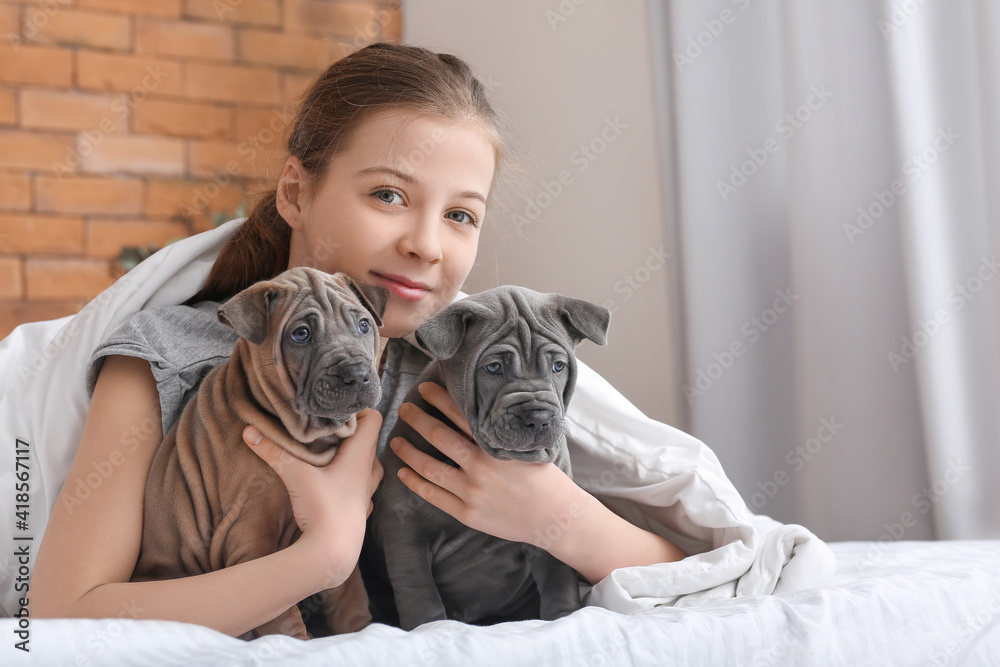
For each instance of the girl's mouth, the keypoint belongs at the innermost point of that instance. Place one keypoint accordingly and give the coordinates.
(402, 286)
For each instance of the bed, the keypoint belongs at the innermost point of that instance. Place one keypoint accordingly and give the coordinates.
(899, 603)
(752, 590)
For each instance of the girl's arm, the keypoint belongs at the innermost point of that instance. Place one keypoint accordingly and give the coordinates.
(91, 544)
(522, 502)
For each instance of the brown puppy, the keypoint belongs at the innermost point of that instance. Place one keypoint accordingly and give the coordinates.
(304, 366)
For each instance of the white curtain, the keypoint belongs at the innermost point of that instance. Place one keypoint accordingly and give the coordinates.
(837, 189)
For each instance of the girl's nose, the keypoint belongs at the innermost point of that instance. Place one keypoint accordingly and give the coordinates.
(421, 239)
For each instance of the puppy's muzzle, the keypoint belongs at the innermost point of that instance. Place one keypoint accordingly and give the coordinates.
(356, 374)
(525, 422)
(342, 387)
(535, 417)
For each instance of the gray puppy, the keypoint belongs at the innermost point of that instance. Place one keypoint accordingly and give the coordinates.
(506, 357)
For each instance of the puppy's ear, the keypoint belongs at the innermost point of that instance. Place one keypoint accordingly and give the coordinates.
(582, 319)
(249, 311)
(372, 297)
(442, 334)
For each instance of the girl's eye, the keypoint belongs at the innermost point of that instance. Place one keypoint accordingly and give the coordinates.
(493, 368)
(463, 217)
(363, 326)
(301, 334)
(388, 196)
(558, 366)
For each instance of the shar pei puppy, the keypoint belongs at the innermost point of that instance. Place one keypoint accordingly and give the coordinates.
(303, 367)
(506, 356)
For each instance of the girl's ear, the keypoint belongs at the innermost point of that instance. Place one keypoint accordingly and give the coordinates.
(290, 194)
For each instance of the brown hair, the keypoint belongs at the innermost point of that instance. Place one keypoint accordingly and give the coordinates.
(379, 77)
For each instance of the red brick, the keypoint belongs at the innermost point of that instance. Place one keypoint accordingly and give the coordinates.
(381, 25)
(185, 39)
(88, 194)
(165, 199)
(28, 233)
(135, 75)
(8, 107)
(248, 158)
(16, 313)
(207, 158)
(10, 24)
(55, 110)
(15, 191)
(168, 9)
(255, 12)
(203, 223)
(135, 155)
(391, 23)
(350, 19)
(229, 83)
(294, 85)
(11, 285)
(79, 28)
(36, 65)
(183, 119)
(29, 150)
(61, 279)
(106, 238)
(296, 50)
(264, 126)
(243, 159)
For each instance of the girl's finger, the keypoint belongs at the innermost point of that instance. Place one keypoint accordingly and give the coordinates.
(443, 500)
(272, 454)
(429, 468)
(362, 444)
(439, 397)
(447, 440)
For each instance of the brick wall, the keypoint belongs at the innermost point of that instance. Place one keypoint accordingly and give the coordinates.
(133, 122)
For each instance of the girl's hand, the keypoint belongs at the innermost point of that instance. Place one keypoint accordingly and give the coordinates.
(512, 500)
(534, 503)
(330, 503)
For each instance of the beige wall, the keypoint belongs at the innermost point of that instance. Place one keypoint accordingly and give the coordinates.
(576, 79)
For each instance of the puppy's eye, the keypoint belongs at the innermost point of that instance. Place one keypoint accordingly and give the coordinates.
(301, 334)
(493, 368)
(558, 366)
(364, 326)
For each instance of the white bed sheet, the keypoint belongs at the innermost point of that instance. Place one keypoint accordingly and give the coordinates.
(895, 603)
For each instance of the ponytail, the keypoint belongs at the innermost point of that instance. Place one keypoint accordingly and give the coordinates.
(257, 251)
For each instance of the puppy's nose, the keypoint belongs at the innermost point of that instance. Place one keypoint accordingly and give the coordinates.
(536, 419)
(355, 374)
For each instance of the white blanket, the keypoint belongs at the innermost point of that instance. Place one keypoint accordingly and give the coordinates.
(901, 604)
(655, 475)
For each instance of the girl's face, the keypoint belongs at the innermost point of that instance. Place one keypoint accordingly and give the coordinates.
(401, 207)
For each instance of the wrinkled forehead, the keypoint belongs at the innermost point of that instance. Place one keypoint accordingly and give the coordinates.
(326, 293)
(526, 327)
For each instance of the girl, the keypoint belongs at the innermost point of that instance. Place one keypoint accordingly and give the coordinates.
(393, 158)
